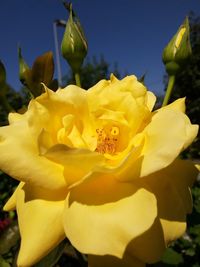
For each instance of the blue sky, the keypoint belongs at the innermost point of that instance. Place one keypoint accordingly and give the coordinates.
(131, 33)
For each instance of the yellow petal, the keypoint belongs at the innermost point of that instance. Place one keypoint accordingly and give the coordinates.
(190, 132)
(169, 225)
(167, 135)
(13, 117)
(172, 230)
(171, 187)
(130, 116)
(99, 87)
(47, 110)
(127, 96)
(197, 166)
(151, 100)
(40, 223)
(77, 162)
(63, 116)
(131, 84)
(20, 158)
(11, 203)
(182, 174)
(102, 216)
(110, 261)
(178, 105)
(112, 115)
(129, 169)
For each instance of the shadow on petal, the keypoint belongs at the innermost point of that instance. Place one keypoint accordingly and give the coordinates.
(149, 246)
(101, 189)
(171, 186)
(103, 215)
(36, 192)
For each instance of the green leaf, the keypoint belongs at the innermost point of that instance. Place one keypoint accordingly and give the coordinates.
(41, 72)
(172, 257)
(51, 259)
(9, 238)
(43, 69)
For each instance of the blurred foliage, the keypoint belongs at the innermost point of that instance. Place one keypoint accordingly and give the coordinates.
(17, 100)
(187, 85)
(185, 252)
(182, 253)
(92, 72)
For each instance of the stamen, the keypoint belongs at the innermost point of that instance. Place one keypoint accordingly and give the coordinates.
(107, 140)
(114, 130)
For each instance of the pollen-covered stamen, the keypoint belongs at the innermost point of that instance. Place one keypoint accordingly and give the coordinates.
(107, 139)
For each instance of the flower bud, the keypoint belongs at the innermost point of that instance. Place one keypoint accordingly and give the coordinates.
(74, 44)
(178, 50)
(23, 68)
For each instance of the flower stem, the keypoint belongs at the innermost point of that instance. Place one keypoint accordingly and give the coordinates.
(169, 90)
(77, 79)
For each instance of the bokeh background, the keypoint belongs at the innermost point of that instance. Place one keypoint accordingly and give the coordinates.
(124, 37)
(130, 33)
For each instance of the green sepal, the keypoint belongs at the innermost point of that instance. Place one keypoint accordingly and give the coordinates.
(172, 68)
(51, 259)
(142, 79)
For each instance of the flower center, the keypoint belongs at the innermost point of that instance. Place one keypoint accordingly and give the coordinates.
(107, 139)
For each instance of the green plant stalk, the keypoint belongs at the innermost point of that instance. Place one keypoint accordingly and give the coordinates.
(169, 90)
(77, 79)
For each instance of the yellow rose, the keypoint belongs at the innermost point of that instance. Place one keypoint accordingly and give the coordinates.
(101, 168)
